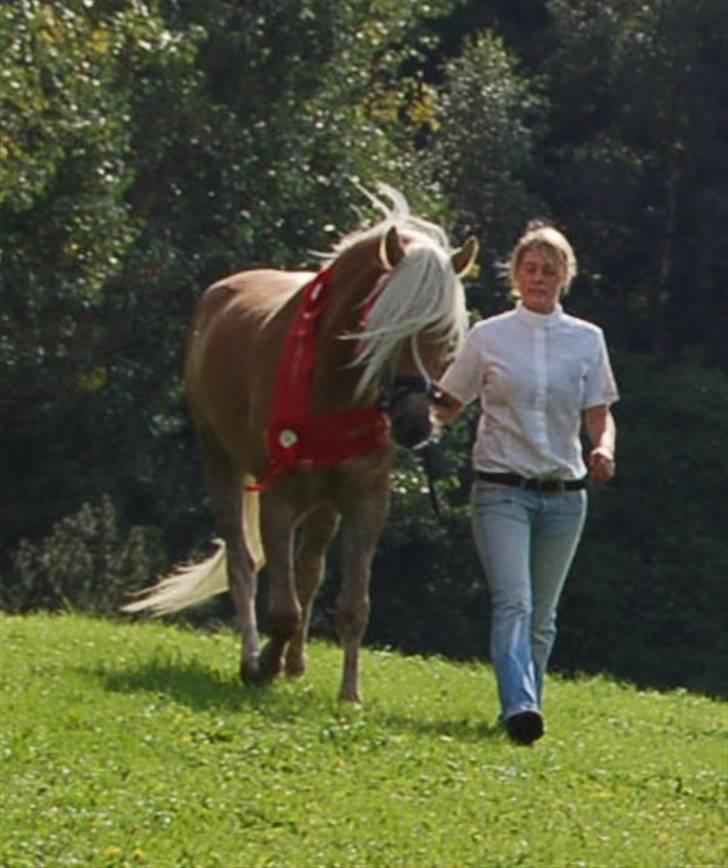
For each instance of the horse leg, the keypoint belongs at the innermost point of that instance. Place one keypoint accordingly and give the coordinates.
(225, 486)
(317, 532)
(277, 524)
(362, 528)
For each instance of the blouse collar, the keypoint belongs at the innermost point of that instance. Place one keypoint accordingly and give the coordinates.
(539, 320)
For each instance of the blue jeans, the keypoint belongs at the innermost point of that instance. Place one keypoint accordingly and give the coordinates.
(526, 541)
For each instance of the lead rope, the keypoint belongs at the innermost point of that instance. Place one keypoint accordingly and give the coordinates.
(428, 454)
(427, 450)
(427, 466)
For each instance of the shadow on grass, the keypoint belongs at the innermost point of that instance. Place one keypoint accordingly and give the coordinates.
(463, 730)
(198, 686)
(201, 687)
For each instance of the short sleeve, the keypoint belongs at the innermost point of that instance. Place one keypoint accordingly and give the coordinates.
(463, 378)
(600, 387)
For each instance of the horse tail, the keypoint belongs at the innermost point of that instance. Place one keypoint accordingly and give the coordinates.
(193, 584)
(251, 525)
(186, 587)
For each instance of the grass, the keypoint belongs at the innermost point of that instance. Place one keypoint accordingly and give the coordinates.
(133, 744)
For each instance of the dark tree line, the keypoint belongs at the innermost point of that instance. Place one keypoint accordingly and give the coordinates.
(147, 149)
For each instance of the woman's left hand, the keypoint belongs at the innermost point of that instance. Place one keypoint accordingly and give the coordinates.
(601, 464)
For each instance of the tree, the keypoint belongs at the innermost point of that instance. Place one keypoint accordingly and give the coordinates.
(67, 227)
(634, 159)
(146, 150)
(481, 139)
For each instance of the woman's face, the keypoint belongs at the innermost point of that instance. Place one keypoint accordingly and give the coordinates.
(539, 280)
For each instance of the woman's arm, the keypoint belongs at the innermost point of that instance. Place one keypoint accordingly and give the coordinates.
(603, 435)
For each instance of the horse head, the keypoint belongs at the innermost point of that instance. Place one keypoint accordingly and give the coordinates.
(423, 309)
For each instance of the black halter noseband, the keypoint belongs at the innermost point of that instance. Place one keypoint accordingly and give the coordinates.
(391, 395)
(408, 384)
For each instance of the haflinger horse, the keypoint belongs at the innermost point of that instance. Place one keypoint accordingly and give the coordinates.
(300, 385)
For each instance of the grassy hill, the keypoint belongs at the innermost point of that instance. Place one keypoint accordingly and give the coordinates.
(134, 745)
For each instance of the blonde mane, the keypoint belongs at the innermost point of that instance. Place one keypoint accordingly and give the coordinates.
(422, 294)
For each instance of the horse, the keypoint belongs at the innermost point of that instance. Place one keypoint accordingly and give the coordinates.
(300, 386)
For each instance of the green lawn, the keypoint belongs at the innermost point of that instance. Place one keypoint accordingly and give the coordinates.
(134, 744)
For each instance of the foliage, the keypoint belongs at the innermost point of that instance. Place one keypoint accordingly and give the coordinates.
(86, 563)
(441, 609)
(66, 165)
(632, 161)
(136, 745)
(482, 142)
(167, 146)
(643, 601)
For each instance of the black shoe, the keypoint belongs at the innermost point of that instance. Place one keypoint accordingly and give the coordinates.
(525, 727)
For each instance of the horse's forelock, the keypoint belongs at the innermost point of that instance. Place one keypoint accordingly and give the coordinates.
(422, 295)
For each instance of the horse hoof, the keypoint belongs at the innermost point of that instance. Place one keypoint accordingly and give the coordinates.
(270, 664)
(295, 667)
(250, 673)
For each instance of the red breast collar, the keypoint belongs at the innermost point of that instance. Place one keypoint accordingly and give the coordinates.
(295, 438)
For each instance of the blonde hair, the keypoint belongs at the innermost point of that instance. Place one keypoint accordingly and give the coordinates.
(542, 236)
(424, 294)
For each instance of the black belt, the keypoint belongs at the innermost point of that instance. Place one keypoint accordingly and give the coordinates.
(516, 481)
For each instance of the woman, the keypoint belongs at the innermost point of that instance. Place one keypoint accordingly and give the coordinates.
(538, 372)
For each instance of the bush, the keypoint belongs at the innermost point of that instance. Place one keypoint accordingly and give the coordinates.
(646, 599)
(86, 563)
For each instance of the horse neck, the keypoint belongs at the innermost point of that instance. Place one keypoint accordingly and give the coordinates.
(354, 276)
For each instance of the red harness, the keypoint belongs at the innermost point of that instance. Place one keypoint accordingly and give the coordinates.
(295, 438)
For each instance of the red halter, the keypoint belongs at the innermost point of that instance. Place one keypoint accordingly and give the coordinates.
(295, 438)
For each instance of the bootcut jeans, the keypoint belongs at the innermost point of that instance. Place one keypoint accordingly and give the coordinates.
(526, 541)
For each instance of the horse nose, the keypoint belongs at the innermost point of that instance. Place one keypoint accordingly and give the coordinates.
(411, 423)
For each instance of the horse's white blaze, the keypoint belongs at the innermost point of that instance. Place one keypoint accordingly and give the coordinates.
(424, 373)
(423, 294)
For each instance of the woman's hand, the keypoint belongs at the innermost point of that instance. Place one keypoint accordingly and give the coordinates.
(601, 464)
(603, 434)
(443, 409)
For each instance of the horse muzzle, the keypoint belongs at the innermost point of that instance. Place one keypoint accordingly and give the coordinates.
(407, 403)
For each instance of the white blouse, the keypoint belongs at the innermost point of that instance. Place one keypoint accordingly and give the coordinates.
(534, 374)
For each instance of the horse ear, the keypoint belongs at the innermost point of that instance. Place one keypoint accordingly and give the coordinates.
(464, 258)
(390, 249)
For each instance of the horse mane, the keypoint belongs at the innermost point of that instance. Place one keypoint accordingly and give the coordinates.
(422, 294)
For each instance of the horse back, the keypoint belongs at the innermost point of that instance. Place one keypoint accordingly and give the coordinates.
(233, 347)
